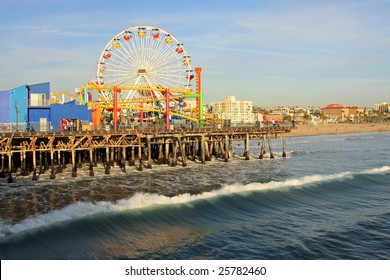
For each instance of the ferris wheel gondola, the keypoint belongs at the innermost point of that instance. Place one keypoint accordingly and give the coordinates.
(146, 58)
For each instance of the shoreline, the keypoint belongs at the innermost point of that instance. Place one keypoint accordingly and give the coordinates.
(338, 128)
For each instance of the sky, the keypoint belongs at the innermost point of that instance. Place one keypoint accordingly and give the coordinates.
(272, 52)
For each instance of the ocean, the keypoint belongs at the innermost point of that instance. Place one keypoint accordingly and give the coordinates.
(328, 199)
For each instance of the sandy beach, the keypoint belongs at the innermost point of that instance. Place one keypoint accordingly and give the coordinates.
(339, 128)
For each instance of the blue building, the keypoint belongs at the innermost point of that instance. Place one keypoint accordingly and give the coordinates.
(69, 110)
(16, 104)
(5, 106)
(28, 107)
(38, 109)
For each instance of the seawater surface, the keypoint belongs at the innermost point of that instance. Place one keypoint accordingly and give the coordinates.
(329, 199)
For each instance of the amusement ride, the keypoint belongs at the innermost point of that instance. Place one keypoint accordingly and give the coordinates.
(143, 73)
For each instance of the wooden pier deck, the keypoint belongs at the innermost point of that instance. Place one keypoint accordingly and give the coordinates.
(34, 153)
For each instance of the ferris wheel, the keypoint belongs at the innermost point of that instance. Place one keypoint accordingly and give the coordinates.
(145, 60)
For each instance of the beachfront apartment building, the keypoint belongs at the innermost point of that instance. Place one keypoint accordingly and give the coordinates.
(382, 107)
(234, 110)
(341, 113)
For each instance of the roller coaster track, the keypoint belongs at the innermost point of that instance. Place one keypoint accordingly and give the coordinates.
(134, 104)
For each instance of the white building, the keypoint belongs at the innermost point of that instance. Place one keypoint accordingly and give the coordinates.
(382, 107)
(234, 110)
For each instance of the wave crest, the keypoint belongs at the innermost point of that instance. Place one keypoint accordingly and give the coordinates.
(145, 200)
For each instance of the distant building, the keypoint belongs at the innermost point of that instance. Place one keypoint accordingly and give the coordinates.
(382, 107)
(338, 112)
(234, 110)
(273, 117)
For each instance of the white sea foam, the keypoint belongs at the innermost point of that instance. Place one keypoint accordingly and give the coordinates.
(145, 200)
(380, 170)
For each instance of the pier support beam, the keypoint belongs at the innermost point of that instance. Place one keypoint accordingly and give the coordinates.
(59, 167)
(123, 162)
(10, 179)
(182, 152)
(207, 150)
(91, 172)
(23, 170)
(148, 142)
(132, 156)
(202, 150)
(174, 150)
(284, 154)
(166, 158)
(226, 152)
(35, 176)
(80, 155)
(140, 167)
(262, 150)
(246, 151)
(2, 174)
(52, 173)
(160, 158)
(74, 165)
(271, 154)
(112, 156)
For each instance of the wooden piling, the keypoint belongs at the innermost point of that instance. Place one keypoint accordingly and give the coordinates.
(182, 152)
(2, 174)
(10, 179)
(284, 154)
(271, 154)
(246, 151)
(226, 149)
(166, 157)
(149, 164)
(163, 147)
(175, 147)
(202, 150)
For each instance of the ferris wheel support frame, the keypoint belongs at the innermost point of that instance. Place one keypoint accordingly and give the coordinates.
(199, 95)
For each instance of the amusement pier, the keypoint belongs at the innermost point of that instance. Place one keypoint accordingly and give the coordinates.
(140, 111)
(37, 153)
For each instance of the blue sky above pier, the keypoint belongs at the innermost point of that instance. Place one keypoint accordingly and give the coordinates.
(287, 52)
